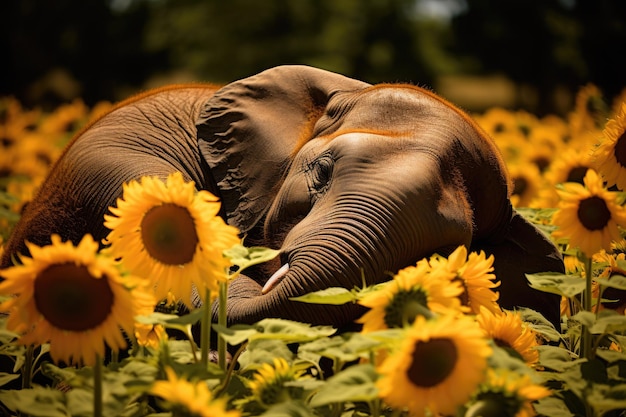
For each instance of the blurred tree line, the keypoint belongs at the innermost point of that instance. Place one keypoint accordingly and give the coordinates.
(108, 49)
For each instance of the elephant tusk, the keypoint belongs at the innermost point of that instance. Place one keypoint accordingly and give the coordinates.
(275, 278)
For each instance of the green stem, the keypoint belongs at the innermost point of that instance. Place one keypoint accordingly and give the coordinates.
(375, 408)
(586, 339)
(221, 320)
(192, 343)
(27, 370)
(231, 370)
(585, 343)
(205, 329)
(97, 387)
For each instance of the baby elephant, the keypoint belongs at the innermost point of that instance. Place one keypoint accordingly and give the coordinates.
(347, 179)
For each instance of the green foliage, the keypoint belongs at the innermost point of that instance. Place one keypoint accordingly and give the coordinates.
(244, 257)
(6, 213)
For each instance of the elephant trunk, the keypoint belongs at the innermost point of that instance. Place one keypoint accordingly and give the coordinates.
(360, 242)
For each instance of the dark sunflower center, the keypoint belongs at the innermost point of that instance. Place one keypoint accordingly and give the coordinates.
(71, 299)
(620, 150)
(524, 129)
(506, 346)
(494, 404)
(542, 163)
(432, 362)
(464, 296)
(520, 184)
(593, 213)
(169, 234)
(273, 392)
(180, 410)
(576, 174)
(405, 306)
(615, 298)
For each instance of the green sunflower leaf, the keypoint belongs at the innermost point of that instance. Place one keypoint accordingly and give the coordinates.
(554, 358)
(245, 257)
(552, 406)
(7, 199)
(332, 295)
(261, 351)
(540, 324)
(606, 398)
(616, 281)
(287, 330)
(612, 357)
(36, 402)
(171, 319)
(345, 347)
(355, 383)
(236, 334)
(289, 409)
(5, 378)
(555, 283)
(586, 318)
(609, 324)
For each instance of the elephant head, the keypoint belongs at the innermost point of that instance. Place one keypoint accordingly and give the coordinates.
(347, 179)
(351, 180)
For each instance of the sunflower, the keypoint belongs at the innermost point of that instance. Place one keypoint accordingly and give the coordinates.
(609, 158)
(149, 335)
(65, 119)
(614, 298)
(506, 393)
(527, 182)
(497, 120)
(590, 109)
(573, 265)
(73, 298)
(545, 142)
(186, 398)
(540, 155)
(557, 125)
(569, 166)
(268, 383)
(474, 273)
(511, 145)
(509, 331)
(16, 121)
(413, 291)
(33, 155)
(588, 215)
(171, 235)
(437, 366)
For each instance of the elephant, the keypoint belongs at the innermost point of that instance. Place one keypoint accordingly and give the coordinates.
(348, 180)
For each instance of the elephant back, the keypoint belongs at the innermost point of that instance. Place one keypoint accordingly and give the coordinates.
(149, 134)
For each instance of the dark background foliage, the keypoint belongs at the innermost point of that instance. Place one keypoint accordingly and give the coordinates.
(517, 53)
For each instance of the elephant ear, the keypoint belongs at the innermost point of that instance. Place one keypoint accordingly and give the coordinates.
(249, 130)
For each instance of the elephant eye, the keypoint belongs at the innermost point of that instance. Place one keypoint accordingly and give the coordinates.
(320, 172)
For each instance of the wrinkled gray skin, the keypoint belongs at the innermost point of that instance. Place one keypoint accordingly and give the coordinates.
(347, 179)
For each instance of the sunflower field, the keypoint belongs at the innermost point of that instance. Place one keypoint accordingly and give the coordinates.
(90, 332)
